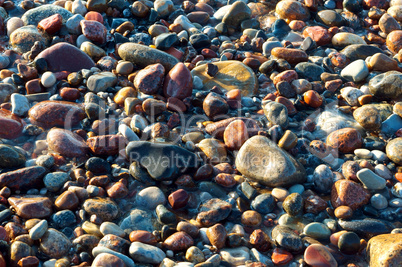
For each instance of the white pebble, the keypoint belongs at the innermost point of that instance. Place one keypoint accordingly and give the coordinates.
(363, 153)
(48, 79)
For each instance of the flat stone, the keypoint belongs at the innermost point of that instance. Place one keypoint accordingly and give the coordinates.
(23, 179)
(367, 227)
(263, 161)
(145, 253)
(360, 51)
(231, 75)
(213, 211)
(286, 238)
(101, 81)
(370, 180)
(29, 207)
(143, 56)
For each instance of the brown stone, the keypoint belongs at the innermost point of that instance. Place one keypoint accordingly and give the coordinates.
(178, 82)
(106, 144)
(251, 218)
(235, 135)
(124, 93)
(179, 241)
(260, 240)
(217, 235)
(150, 79)
(67, 201)
(213, 211)
(56, 113)
(217, 129)
(343, 212)
(394, 41)
(178, 199)
(292, 10)
(348, 193)
(319, 34)
(10, 125)
(29, 207)
(107, 259)
(23, 178)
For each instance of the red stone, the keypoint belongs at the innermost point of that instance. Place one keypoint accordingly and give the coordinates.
(2, 261)
(287, 103)
(23, 179)
(345, 140)
(10, 125)
(319, 34)
(208, 53)
(94, 31)
(288, 76)
(117, 190)
(34, 86)
(175, 52)
(143, 237)
(67, 201)
(150, 79)
(348, 193)
(70, 94)
(29, 207)
(281, 256)
(66, 143)
(56, 113)
(225, 180)
(291, 55)
(319, 255)
(93, 15)
(178, 82)
(178, 199)
(52, 24)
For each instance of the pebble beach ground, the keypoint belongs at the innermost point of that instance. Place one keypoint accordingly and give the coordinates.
(200, 133)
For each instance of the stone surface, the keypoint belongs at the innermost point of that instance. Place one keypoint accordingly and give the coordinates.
(35, 15)
(105, 208)
(29, 207)
(55, 244)
(24, 38)
(66, 143)
(386, 86)
(231, 75)
(263, 161)
(385, 250)
(23, 179)
(345, 140)
(394, 150)
(146, 253)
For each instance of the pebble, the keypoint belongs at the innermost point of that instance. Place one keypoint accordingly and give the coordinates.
(146, 253)
(317, 254)
(370, 180)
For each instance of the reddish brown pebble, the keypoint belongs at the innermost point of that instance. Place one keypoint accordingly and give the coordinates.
(93, 15)
(143, 237)
(335, 237)
(348, 193)
(52, 24)
(345, 140)
(117, 190)
(106, 144)
(94, 31)
(178, 199)
(70, 94)
(350, 169)
(30, 261)
(150, 79)
(291, 55)
(260, 240)
(394, 41)
(66, 143)
(178, 83)
(178, 242)
(67, 201)
(10, 125)
(288, 76)
(319, 34)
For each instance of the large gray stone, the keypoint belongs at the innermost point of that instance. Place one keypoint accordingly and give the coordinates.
(263, 161)
(145, 253)
(33, 16)
(387, 86)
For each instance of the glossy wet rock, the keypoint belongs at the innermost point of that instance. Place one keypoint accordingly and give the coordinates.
(231, 75)
(282, 169)
(66, 143)
(24, 178)
(10, 125)
(31, 206)
(345, 140)
(104, 208)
